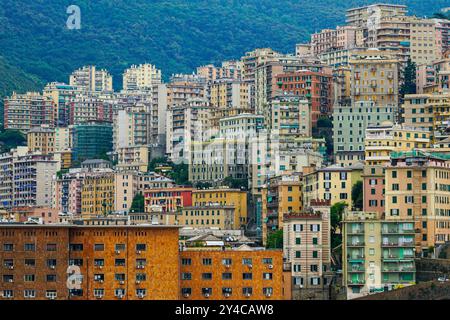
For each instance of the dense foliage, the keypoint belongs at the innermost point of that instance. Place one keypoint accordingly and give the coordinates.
(357, 196)
(10, 139)
(176, 35)
(337, 211)
(275, 240)
(138, 204)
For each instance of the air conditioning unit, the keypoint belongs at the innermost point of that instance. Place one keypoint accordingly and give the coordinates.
(186, 295)
(11, 267)
(120, 296)
(99, 296)
(247, 295)
(101, 267)
(250, 266)
(140, 296)
(138, 252)
(138, 282)
(268, 295)
(101, 281)
(227, 266)
(206, 295)
(52, 267)
(227, 295)
(122, 282)
(270, 266)
(52, 298)
(117, 251)
(11, 280)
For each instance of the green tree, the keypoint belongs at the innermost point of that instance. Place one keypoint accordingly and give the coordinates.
(138, 203)
(236, 183)
(357, 195)
(275, 240)
(409, 76)
(10, 139)
(156, 162)
(337, 211)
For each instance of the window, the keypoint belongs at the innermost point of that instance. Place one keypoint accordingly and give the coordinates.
(141, 277)
(119, 293)
(186, 262)
(315, 240)
(51, 263)
(206, 291)
(29, 294)
(371, 251)
(227, 262)
(298, 254)
(51, 294)
(119, 277)
(267, 276)
(99, 277)
(30, 247)
(267, 291)
(51, 246)
(76, 247)
(207, 276)
(298, 241)
(315, 227)
(227, 291)
(247, 261)
(247, 276)
(99, 293)
(227, 276)
(76, 262)
(186, 291)
(8, 247)
(186, 276)
(315, 254)
(247, 291)
(267, 261)
(119, 262)
(141, 263)
(8, 294)
(29, 278)
(99, 247)
(140, 293)
(30, 262)
(51, 278)
(119, 247)
(141, 247)
(99, 262)
(207, 262)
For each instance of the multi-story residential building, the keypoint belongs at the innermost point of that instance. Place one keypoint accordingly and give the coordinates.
(383, 139)
(132, 127)
(91, 79)
(183, 88)
(281, 196)
(91, 140)
(349, 128)
(340, 57)
(417, 191)
(63, 139)
(370, 15)
(229, 93)
(266, 81)
(36, 214)
(26, 178)
(378, 254)
(41, 139)
(186, 123)
(90, 106)
(171, 199)
(316, 87)
(110, 262)
(141, 77)
(342, 85)
(25, 111)
(375, 77)
(306, 248)
(209, 216)
(425, 77)
(224, 197)
(67, 192)
(303, 50)
(333, 183)
(427, 111)
(247, 273)
(134, 158)
(333, 39)
(228, 70)
(63, 95)
(98, 193)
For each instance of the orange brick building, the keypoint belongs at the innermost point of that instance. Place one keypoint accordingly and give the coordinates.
(231, 274)
(115, 262)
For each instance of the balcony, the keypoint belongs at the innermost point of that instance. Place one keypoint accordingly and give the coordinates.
(356, 244)
(356, 231)
(357, 282)
(397, 244)
(397, 231)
